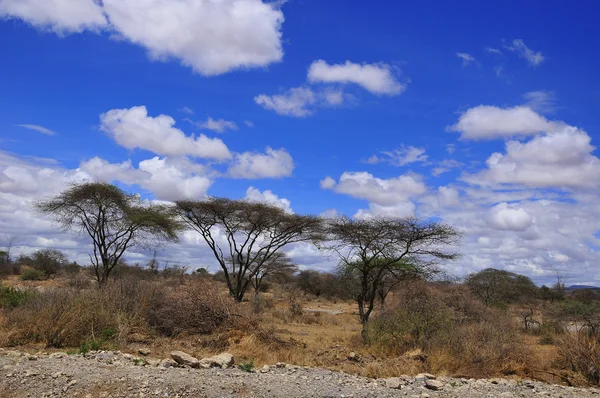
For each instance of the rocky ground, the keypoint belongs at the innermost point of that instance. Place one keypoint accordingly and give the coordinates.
(114, 374)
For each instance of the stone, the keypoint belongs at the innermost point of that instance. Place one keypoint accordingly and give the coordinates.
(223, 361)
(265, 369)
(435, 385)
(394, 382)
(280, 365)
(183, 358)
(144, 351)
(353, 357)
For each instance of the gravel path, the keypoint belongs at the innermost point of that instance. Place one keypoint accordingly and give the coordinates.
(113, 374)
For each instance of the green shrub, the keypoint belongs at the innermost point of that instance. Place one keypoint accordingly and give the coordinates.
(246, 367)
(32, 274)
(11, 297)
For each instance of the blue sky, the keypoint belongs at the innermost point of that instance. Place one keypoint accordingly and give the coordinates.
(478, 114)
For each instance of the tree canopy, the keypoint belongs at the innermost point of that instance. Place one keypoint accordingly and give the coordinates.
(377, 251)
(114, 220)
(245, 236)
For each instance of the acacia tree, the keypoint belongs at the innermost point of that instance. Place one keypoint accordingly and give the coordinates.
(376, 251)
(278, 265)
(245, 236)
(494, 286)
(114, 220)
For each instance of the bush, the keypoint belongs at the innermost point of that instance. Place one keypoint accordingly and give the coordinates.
(11, 297)
(198, 308)
(455, 330)
(68, 317)
(32, 274)
(581, 352)
(47, 261)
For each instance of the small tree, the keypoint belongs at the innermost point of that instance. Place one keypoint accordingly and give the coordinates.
(49, 261)
(495, 286)
(373, 250)
(244, 236)
(278, 264)
(114, 220)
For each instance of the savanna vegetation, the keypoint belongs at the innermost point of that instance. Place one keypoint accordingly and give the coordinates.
(386, 303)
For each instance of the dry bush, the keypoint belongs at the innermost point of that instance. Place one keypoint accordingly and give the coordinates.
(458, 334)
(67, 316)
(197, 308)
(581, 352)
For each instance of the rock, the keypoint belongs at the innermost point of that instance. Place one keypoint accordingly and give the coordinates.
(185, 359)
(280, 365)
(223, 361)
(416, 354)
(167, 363)
(394, 382)
(435, 385)
(353, 357)
(265, 369)
(144, 351)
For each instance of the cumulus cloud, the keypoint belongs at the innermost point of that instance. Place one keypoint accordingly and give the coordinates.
(39, 129)
(560, 159)
(488, 122)
(503, 216)
(400, 157)
(295, 102)
(166, 178)
(60, 16)
(212, 37)
(376, 78)
(466, 58)
(534, 58)
(216, 125)
(267, 196)
(303, 101)
(383, 192)
(274, 163)
(133, 128)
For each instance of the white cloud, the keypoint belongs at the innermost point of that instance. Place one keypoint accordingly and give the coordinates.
(60, 16)
(466, 58)
(216, 125)
(39, 129)
(532, 57)
(187, 110)
(445, 166)
(248, 123)
(448, 196)
(303, 101)
(376, 78)
(384, 192)
(489, 122)
(503, 216)
(167, 178)
(541, 101)
(327, 183)
(268, 197)
(400, 157)
(492, 50)
(295, 102)
(212, 37)
(133, 128)
(560, 159)
(274, 163)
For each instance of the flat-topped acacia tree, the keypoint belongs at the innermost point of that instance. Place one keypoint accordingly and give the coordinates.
(245, 237)
(113, 219)
(375, 252)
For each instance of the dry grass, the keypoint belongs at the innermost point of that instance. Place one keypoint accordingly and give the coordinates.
(194, 316)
